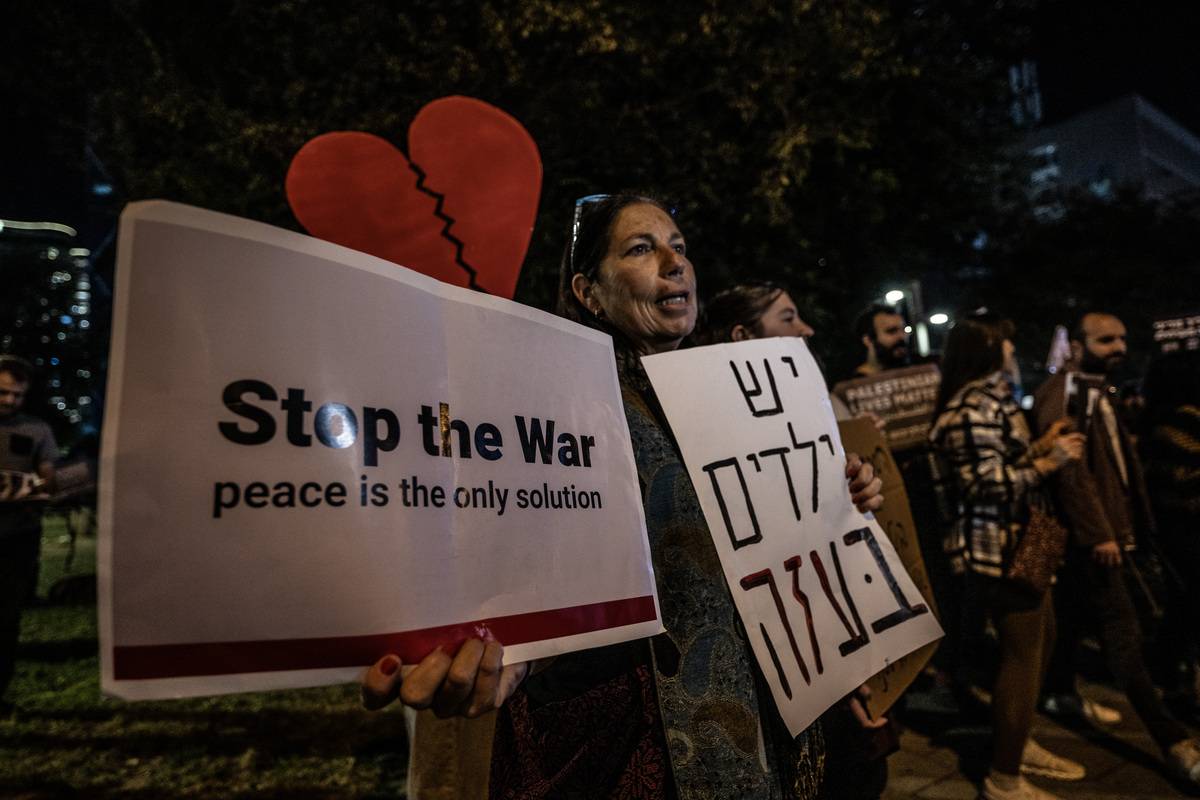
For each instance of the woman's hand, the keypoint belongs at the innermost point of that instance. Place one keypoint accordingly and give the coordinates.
(1045, 443)
(471, 684)
(864, 486)
(1065, 449)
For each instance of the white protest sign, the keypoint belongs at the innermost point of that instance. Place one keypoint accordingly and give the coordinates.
(1177, 333)
(821, 592)
(313, 457)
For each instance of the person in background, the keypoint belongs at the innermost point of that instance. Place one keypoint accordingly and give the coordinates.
(880, 328)
(1171, 446)
(1106, 506)
(751, 311)
(759, 310)
(755, 311)
(984, 446)
(685, 714)
(27, 455)
(856, 746)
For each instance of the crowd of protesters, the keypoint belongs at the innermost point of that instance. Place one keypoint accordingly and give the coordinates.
(1025, 499)
(1077, 503)
(1030, 522)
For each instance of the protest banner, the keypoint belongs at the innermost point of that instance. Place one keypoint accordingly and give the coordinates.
(859, 435)
(819, 588)
(313, 457)
(1177, 333)
(903, 398)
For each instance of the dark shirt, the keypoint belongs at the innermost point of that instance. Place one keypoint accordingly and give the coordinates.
(26, 443)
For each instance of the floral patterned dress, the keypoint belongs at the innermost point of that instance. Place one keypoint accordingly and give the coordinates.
(683, 715)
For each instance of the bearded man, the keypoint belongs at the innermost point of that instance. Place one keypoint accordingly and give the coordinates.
(1104, 503)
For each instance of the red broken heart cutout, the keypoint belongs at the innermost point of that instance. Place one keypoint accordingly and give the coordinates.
(459, 207)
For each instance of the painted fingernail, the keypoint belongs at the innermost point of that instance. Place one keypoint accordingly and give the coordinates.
(390, 665)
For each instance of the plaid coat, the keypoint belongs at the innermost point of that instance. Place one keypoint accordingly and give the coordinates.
(984, 475)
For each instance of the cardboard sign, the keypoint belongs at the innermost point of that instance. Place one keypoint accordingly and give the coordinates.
(860, 436)
(313, 458)
(819, 588)
(1177, 333)
(904, 398)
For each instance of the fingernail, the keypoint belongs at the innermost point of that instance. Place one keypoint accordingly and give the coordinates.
(389, 665)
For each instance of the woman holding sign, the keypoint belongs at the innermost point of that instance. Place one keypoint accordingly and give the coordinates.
(857, 745)
(994, 474)
(683, 715)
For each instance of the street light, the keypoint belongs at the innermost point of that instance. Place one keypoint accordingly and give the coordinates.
(894, 296)
(939, 318)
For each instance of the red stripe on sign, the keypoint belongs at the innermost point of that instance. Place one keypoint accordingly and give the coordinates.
(276, 655)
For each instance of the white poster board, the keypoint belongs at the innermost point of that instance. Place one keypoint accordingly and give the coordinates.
(1173, 334)
(313, 457)
(821, 592)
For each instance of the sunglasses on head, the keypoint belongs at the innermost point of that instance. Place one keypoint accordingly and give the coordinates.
(592, 199)
(579, 204)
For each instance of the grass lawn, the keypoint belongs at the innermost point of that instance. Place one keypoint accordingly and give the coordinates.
(67, 740)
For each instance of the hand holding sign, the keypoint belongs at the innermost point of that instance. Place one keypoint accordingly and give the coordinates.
(472, 683)
(865, 489)
(818, 586)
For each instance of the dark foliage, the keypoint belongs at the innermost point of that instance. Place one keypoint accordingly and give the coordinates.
(830, 145)
(1133, 257)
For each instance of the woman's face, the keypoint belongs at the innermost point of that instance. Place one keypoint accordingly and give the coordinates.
(646, 286)
(782, 319)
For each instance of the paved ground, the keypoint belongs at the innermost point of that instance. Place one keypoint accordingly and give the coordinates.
(944, 757)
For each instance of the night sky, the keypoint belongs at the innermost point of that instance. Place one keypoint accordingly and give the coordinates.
(1088, 52)
(1092, 52)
